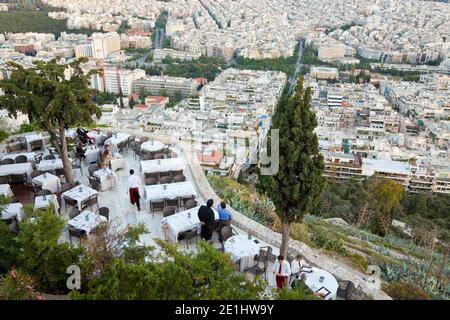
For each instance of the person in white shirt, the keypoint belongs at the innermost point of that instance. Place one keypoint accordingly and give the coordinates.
(133, 188)
(282, 272)
(296, 267)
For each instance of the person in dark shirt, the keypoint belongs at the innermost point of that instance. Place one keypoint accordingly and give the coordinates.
(83, 134)
(206, 217)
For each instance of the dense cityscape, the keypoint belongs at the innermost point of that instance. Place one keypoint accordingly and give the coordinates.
(136, 137)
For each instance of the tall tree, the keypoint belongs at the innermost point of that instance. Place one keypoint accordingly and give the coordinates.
(52, 99)
(297, 185)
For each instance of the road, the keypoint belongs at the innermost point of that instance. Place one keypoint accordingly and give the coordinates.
(298, 64)
(159, 39)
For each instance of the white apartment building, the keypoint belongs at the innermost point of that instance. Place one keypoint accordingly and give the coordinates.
(334, 99)
(84, 50)
(105, 43)
(114, 78)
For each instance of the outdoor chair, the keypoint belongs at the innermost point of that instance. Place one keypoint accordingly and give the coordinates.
(23, 144)
(12, 224)
(151, 175)
(175, 173)
(92, 168)
(21, 159)
(103, 211)
(188, 235)
(168, 211)
(7, 161)
(60, 173)
(165, 180)
(345, 289)
(184, 201)
(75, 233)
(76, 164)
(147, 156)
(70, 202)
(90, 202)
(261, 265)
(179, 178)
(151, 181)
(190, 204)
(29, 187)
(158, 156)
(37, 145)
(143, 139)
(4, 180)
(36, 173)
(44, 192)
(156, 206)
(102, 140)
(94, 182)
(74, 213)
(38, 157)
(227, 232)
(17, 178)
(171, 203)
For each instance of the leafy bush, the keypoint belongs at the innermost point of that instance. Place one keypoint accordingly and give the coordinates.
(299, 292)
(3, 135)
(405, 291)
(18, 286)
(28, 127)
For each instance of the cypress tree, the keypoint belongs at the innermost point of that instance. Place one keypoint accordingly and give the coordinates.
(296, 186)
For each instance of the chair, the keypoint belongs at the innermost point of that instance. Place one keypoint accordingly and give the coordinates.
(151, 181)
(92, 168)
(12, 224)
(122, 146)
(30, 189)
(190, 204)
(76, 164)
(37, 145)
(165, 180)
(156, 206)
(74, 213)
(17, 178)
(270, 256)
(36, 173)
(227, 232)
(102, 140)
(103, 211)
(21, 159)
(147, 156)
(345, 289)
(179, 178)
(158, 156)
(15, 200)
(44, 192)
(143, 139)
(4, 180)
(165, 151)
(75, 233)
(70, 202)
(7, 161)
(23, 143)
(168, 211)
(184, 200)
(175, 173)
(91, 201)
(188, 235)
(172, 203)
(151, 175)
(261, 265)
(130, 141)
(38, 157)
(49, 157)
(108, 135)
(60, 173)
(95, 183)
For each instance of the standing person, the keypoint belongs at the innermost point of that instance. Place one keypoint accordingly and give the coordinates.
(206, 217)
(104, 160)
(282, 272)
(83, 134)
(80, 150)
(133, 188)
(224, 217)
(296, 267)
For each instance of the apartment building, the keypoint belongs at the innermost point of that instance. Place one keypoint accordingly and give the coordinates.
(116, 80)
(159, 54)
(165, 85)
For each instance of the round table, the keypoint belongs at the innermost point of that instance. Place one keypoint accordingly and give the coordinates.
(315, 282)
(152, 146)
(243, 249)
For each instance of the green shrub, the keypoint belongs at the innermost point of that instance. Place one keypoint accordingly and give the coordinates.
(405, 291)
(299, 292)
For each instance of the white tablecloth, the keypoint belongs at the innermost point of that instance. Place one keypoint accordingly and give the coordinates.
(5, 190)
(181, 221)
(329, 282)
(29, 155)
(81, 223)
(117, 162)
(41, 203)
(49, 165)
(92, 155)
(107, 178)
(16, 168)
(11, 210)
(97, 135)
(49, 182)
(115, 140)
(78, 195)
(242, 248)
(173, 190)
(162, 165)
(32, 137)
(152, 146)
